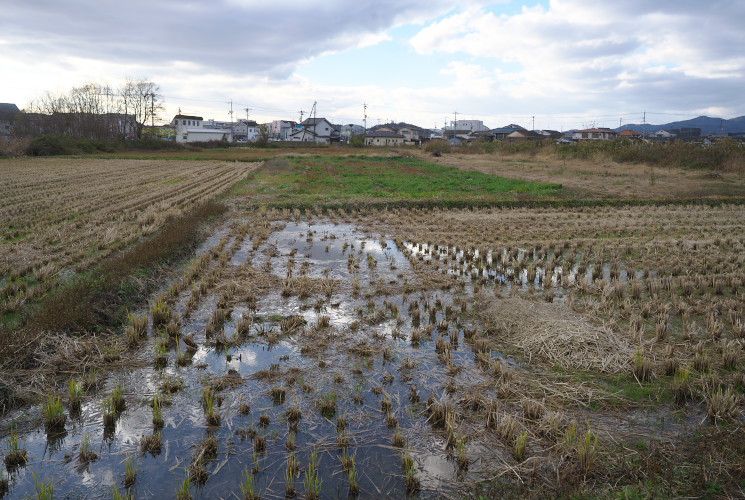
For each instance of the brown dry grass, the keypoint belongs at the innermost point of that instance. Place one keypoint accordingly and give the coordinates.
(557, 335)
(600, 178)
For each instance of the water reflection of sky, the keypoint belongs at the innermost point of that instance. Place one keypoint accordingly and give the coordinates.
(327, 253)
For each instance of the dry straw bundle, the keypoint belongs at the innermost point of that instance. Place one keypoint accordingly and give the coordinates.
(556, 334)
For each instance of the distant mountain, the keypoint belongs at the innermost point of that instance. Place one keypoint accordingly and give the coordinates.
(707, 124)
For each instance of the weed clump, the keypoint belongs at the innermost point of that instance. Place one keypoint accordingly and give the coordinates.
(15, 456)
(54, 414)
(642, 368)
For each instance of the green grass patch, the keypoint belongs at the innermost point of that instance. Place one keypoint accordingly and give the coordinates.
(321, 179)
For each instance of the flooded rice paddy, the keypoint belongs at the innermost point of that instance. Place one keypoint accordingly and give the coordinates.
(311, 360)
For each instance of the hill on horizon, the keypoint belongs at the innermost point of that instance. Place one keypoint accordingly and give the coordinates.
(707, 124)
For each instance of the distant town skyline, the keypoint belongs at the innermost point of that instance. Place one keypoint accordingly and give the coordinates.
(559, 64)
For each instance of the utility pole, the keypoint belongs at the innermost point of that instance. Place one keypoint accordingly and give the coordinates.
(152, 112)
(620, 121)
(231, 112)
(364, 115)
(247, 110)
(301, 115)
(644, 125)
(533, 123)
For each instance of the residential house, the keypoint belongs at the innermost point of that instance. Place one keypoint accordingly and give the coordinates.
(191, 128)
(595, 134)
(8, 112)
(665, 134)
(503, 132)
(471, 125)
(280, 130)
(384, 138)
(550, 134)
(318, 130)
(629, 134)
(245, 131)
(524, 135)
(412, 134)
(484, 135)
(457, 137)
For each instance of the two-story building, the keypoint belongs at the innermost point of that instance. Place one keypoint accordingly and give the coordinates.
(317, 130)
(281, 130)
(245, 131)
(594, 134)
(383, 138)
(190, 128)
(412, 134)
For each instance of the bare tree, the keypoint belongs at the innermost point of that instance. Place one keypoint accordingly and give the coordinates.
(142, 100)
(94, 111)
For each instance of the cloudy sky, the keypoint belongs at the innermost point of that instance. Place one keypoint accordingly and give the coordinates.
(563, 63)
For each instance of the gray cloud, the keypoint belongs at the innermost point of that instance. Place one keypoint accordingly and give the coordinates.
(237, 37)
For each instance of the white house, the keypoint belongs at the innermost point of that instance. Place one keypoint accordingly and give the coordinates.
(594, 134)
(665, 134)
(472, 125)
(192, 129)
(384, 138)
(245, 131)
(316, 130)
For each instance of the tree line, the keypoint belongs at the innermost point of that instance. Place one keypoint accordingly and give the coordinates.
(93, 111)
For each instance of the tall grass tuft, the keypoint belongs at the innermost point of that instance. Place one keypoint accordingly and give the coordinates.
(520, 450)
(15, 456)
(130, 471)
(412, 478)
(54, 414)
(312, 482)
(642, 367)
(75, 393)
(722, 405)
(587, 450)
(247, 486)
(44, 489)
(157, 413)
(184, 490)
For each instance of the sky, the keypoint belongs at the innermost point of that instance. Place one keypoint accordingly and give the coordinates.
(544, 64)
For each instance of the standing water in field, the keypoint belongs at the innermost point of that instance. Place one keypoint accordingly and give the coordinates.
(309, 362)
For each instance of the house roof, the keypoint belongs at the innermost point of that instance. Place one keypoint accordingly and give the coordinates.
(597, 131)
(314, 121)
(526, 133)
(629, 133)
(397, 126)
(507, 129)
(188, 117)
(8, 110)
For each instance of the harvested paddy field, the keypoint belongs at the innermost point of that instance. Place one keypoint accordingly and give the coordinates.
(604, 178)
(396, 351)
(59, 217)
